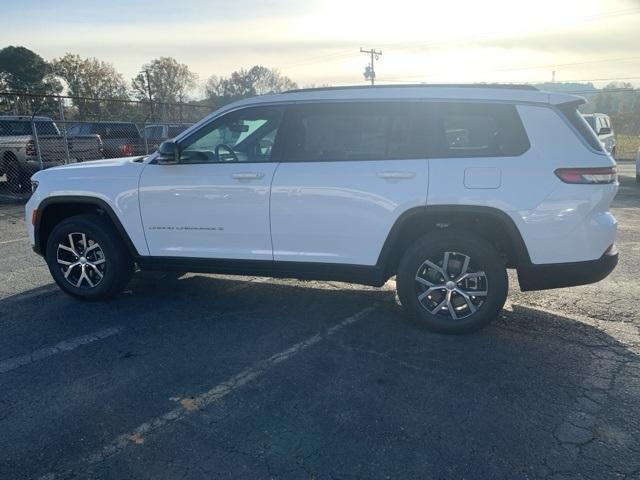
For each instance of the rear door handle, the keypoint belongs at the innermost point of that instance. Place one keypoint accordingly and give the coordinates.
(247, 175)
(396, 175)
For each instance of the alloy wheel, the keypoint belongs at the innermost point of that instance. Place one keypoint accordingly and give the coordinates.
(451, 286)
(81, 261)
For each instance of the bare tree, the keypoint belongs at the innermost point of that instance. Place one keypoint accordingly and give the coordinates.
(258, 80)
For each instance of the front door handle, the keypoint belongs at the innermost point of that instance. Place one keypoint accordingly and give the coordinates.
(396, 175)
(247, 175)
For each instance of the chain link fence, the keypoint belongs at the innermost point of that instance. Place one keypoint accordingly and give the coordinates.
(41, 131)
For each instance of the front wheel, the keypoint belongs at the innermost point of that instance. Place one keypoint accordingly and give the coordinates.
(452, 281)
(87, 258)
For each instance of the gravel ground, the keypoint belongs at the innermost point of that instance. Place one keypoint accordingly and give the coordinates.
(211, 376)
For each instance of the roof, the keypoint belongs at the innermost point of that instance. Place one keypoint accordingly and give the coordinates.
(487, 92)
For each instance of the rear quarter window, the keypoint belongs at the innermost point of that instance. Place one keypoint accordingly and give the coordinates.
(479, 130)
(584, 131)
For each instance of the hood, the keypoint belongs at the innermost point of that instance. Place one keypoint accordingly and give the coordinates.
(111, 162)
(98, 169)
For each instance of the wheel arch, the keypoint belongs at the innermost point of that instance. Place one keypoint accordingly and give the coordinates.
(490, 223)
(53, 210)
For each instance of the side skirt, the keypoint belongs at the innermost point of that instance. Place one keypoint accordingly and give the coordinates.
(361, 274)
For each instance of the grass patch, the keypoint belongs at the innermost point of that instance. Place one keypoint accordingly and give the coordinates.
(627, 146)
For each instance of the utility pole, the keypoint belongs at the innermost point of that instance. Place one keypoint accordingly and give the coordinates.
(146, 74)
(370, 71)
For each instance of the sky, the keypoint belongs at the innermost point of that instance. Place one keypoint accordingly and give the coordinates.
(317, 42)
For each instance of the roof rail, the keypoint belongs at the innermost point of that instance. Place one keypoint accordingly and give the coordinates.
(507, 86)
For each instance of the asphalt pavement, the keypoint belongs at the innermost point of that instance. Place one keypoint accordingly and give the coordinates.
(211, 376)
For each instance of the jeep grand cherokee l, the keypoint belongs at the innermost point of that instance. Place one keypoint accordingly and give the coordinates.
(443, 187)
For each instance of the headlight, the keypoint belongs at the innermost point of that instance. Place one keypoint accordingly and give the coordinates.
(34, 185)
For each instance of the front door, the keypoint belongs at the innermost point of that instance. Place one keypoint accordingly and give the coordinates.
(215, 202)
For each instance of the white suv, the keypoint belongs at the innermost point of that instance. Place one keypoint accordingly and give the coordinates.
(444, 187)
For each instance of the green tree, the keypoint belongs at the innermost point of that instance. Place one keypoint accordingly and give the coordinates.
(23, 70)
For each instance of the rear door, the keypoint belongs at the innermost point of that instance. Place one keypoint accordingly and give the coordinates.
(348, 171)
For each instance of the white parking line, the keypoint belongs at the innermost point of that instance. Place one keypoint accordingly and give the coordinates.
(64, 346)
(4, 242)
(189, 405)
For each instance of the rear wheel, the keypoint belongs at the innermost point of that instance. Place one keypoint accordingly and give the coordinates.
(452, 281)
(87, 258)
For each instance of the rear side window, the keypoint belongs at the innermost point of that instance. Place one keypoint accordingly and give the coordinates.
(356, 131)
(46, 128)
(479, 130)
(575, 118)
(23, 127)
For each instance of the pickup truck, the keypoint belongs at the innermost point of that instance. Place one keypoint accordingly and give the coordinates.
(119, 139)
(21, 152)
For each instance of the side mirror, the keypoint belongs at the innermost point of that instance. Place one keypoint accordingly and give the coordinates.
(168, 153)
(604, 131)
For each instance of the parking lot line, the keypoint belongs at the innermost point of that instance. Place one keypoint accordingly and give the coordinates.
(187, 406)
(4, 242)
(64, 346)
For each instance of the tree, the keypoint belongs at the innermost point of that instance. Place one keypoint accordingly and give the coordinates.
(23, 70)
(90, 77)
(258, 80)
(169, 80)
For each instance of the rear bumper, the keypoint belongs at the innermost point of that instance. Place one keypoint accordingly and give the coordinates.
(558, 275)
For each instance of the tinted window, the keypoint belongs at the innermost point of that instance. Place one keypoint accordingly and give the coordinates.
(246, 135)
(571, 113)
(153, 132)
(115, 130)
(46, 128)
(175, 130)
(592, 122)
(479, 130)
(356, 131)
(23, 127)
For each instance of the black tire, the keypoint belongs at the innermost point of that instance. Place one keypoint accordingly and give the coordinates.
(16, 178)
(116, 267)
(483, 257)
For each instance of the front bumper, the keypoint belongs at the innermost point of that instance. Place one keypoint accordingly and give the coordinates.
(559, 275)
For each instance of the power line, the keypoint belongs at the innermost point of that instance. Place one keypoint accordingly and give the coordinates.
(370, 71)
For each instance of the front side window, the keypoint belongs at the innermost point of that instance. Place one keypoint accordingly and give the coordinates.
(480, 130)
(247, 135)
(356, 131)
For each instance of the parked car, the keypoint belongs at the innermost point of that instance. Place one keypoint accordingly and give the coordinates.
(19, 148)
(601, 125)
(443, 187)
(154, 135)
(120, 139)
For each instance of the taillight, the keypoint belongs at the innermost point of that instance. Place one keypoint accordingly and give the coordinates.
(590, 175)
(30, 151)
(126, 150)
